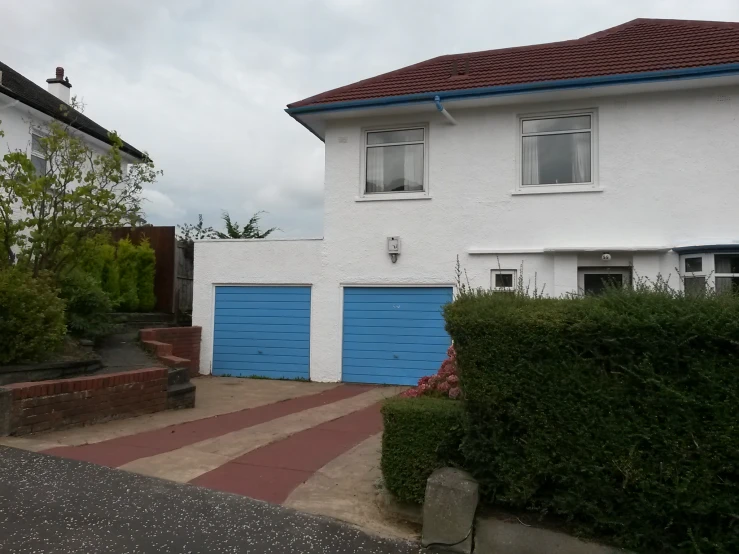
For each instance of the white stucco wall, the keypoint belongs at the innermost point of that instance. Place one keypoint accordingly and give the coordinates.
(667, 164)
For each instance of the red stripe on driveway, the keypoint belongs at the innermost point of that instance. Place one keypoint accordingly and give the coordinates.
(272, 472)
(119, 451)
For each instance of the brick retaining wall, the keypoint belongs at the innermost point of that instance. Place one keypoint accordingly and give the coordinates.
(175, 346)
(49, 405)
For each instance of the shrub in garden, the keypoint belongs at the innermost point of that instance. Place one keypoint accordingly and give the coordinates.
(145, 276)
(88, 307)
(109, 277)
(618, 412)
(444, 384)
(420, 436)
(128, 271)
(31, 317)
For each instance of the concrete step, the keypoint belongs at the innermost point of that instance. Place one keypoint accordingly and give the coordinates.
(178, 376)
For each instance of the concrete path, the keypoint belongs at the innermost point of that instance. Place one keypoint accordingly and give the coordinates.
(264, 439)
(54, 505)
(121, 352)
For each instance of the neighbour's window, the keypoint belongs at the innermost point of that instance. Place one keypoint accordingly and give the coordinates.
(557, 150)
(38, 155)
(395, 160)
(693, 282)
(727, 273)
(504, 280)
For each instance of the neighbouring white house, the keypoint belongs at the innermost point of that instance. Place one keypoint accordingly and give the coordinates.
(613, 156)
(26, 108)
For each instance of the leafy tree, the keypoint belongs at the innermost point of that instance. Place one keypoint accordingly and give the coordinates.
(187, 232)
(250, 230)
(47, 217)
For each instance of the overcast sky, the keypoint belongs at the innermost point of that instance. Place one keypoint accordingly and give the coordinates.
(202, 85)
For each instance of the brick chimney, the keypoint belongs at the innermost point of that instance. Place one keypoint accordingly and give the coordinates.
(59, 85)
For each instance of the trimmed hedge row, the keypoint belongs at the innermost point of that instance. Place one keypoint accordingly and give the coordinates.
(619, 412)
(421, 435)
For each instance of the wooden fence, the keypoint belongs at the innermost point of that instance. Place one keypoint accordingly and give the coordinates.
(163, 241)
(184, 265)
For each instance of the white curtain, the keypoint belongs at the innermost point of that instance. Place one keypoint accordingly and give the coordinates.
(413, 167)
(530, 161)
(375, 169)
(580, 157)
(723, 264)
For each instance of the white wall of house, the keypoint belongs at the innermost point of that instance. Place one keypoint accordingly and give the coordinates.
(667, 174)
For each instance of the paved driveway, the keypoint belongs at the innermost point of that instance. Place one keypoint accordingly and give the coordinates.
(310, 446)
(50, 504)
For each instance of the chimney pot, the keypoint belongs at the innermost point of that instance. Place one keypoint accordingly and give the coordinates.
(59, 85)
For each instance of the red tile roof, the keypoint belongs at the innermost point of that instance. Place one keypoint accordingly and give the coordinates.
(641, 45)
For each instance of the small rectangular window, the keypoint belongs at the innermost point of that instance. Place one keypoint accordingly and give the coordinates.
(38, 155)
(395, 161)
(504, 279)
(557, 150)
(693, 265)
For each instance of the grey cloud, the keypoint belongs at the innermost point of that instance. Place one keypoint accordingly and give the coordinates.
(202, 85)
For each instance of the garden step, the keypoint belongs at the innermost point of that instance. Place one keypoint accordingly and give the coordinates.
(178, 376)
(157, 348)
(181, 396)
(174, 361)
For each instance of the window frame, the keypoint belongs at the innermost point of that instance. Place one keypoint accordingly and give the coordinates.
(592, 186)
(512, 272)
(38, 153)
(626, 272)
(393, 195)
(716, 274)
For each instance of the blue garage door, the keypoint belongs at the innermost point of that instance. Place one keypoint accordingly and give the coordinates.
(393, 335)
(262, 331)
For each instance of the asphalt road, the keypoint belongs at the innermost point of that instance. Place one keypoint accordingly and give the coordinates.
(50, 504)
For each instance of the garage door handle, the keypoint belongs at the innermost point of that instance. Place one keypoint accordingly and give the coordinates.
(395, 356)
(260, 352)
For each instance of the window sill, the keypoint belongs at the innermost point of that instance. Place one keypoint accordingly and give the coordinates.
(387, 197)
(555, 189)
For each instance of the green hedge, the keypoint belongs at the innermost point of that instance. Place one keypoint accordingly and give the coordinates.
(31, 317)
(619, 412)
(128, 271)
(88, 307)
(421, 435)
(145, 276)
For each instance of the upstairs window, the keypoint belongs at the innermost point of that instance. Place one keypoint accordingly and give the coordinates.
(557, 150)
(395, 161)
(38, 155)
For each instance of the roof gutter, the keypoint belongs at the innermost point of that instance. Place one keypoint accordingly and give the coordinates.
(524, 88)
(127, 148)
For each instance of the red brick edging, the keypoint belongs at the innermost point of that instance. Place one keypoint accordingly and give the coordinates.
(174, 346)
(47, 405)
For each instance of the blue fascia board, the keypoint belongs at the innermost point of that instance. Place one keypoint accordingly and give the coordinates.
(525, 88)
(707, 248)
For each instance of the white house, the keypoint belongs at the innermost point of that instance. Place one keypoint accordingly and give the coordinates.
(25, 108)
(614, 155)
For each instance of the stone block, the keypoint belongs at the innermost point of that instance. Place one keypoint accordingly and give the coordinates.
(449, 511)
(6, 405)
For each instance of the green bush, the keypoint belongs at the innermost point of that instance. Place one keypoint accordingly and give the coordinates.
(88, 307)
(109, 277)
(31, 317)
(128, 276)
(421, 435)
(145, 276)
(618, 412)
